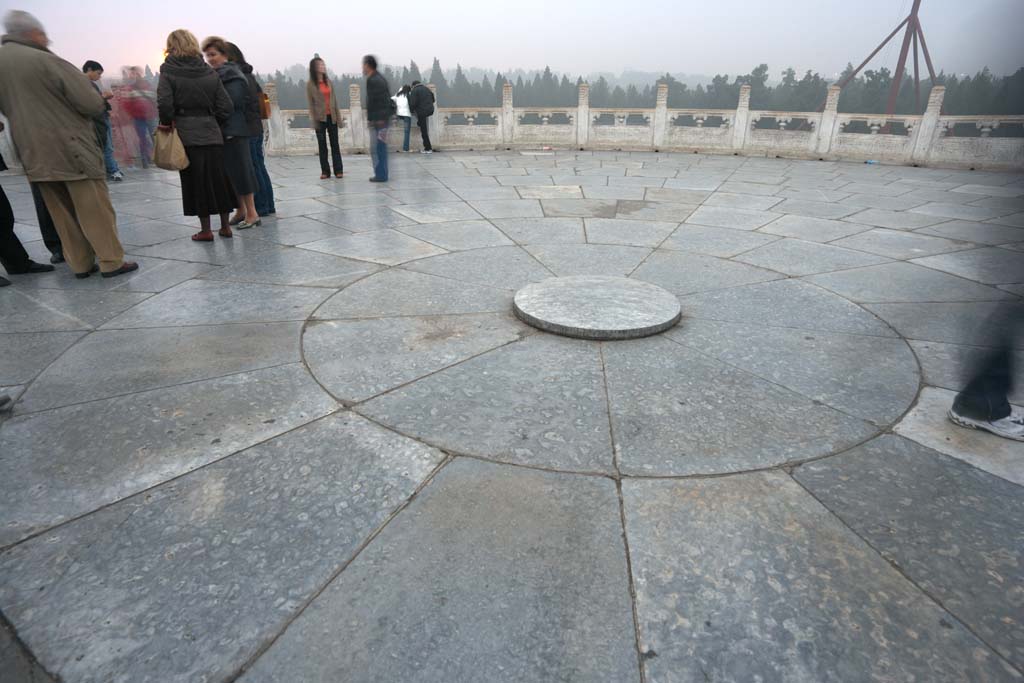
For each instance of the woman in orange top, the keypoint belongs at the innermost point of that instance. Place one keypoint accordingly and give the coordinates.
(324, 116)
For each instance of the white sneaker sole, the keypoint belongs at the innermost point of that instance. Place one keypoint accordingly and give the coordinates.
(985, 426)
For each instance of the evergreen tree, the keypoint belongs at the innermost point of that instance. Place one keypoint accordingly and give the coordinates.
(414, 72)
(438, 79)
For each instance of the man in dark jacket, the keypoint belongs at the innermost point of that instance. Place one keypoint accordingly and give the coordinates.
(421, 104)
(378, 111)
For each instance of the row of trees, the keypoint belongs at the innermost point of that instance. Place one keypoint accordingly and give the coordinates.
(868, 93)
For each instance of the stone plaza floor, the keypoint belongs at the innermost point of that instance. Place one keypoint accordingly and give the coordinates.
(326, 450)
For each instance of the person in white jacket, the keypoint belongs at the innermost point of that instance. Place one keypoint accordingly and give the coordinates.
(401, 99)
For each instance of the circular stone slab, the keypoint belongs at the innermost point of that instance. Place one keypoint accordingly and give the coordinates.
(597, 307)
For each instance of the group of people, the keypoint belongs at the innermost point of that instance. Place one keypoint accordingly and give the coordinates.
(324, 115)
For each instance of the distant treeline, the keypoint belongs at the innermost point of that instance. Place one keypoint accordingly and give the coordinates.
(867, 94)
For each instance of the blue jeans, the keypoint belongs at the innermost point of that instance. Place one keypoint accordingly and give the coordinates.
(144, 129)
(264, 196)
(379, 151)
(108, 151)
(407, 120)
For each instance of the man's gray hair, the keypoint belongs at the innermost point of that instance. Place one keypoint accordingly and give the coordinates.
(19, 23)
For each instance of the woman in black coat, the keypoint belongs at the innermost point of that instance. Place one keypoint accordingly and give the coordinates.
(190, 97)
(237, 158)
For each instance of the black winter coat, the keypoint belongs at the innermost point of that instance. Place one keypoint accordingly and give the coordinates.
(378, 98)
(252, 110)
(421, 101)
(238, 90)
(190, 96)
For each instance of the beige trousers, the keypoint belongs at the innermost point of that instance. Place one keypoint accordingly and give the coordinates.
(86, 223)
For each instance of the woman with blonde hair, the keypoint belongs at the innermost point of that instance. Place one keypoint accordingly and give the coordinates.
(190, 98)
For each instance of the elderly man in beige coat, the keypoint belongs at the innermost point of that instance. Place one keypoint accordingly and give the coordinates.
(51, 107)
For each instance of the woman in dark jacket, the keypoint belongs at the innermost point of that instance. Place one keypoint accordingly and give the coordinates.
(191, 98)
(264, 196)
(324, 116)
(237, 160)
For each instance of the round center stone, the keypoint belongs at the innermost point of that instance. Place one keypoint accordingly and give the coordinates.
(597, 307)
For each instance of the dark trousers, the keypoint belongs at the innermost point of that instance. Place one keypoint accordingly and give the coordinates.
(264, 197)
(422, 122)
(985, 396)
(49, 231)
(13, 256)
(325, 130)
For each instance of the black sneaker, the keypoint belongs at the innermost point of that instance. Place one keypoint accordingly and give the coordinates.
(4, 282)
(56, 257)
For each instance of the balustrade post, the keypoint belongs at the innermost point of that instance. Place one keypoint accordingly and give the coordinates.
(927, 133)
(277, 140)
(583, 116)
(741, 131)
(356, 119)
(660, 123)
(828, 126)
(508, 114)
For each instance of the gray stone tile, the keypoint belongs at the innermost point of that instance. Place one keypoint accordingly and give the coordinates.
(294, 267)
(351, 200)
(737, 219)
(613, 191)
(215, 303)
(551, 192)
(499, 598)
(537, 402)
(498, 267)
(877, 189)
(1016, 220)
(903, 282)
(892, 492)
(153, 275)
(292, 231)
(116, 362)
(52, 310)
(63, 463)
(895, 220)
(983, 233)
(960, 211)
(674, 412)
(291, 512)
(583, 208)
(508, 208)
(358, 359)
(438, 212)
(361, 219)
(812, 229)
(721, 242)
(900, 244)
(694, 180)
(749, 578)
(149, 232)
(386, 247)
(747, 188)
(26, 354)
(683, 273)
(655, 194)
(486, 192)
(423, 196)
(741, 201)
(873, 201)
(458, 235)
(990, 190)
(589, 259)
(297, 207)
(802, 207)
(812, 194)
(990, 265)
(787, 303)
(627, 232)
(954, 323)
(543, 230)
(524, 180)
(873, 378)
(654, 211)
(797, 257)
(221, 251)
(950, 366)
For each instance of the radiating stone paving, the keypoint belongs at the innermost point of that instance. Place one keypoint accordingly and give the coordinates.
(327, 450)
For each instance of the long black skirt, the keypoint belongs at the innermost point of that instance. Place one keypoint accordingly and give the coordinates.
(238, 163)
(205, 188)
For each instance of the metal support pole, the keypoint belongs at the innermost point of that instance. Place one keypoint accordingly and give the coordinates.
(917, 72)
(901, 65)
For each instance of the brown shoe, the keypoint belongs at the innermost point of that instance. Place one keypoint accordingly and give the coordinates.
(126, 267)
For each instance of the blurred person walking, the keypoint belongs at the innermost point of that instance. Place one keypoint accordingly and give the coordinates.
(140, 103)
(379, 108)
(421, 103)
(237, 160)
(51, 106)
(324, 117)
(263, 198)
(401, 99)
(94, 70)
(13, 256)
(191, 98)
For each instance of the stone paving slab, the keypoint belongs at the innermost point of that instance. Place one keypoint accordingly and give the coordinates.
(458, 235)
(48, 310)
(543, 230)
(683, 273)
(518, 576)
(588, 259)
(983, 233)
(798, 257)
(294, 267)
(653, 211)
(63, 463)
(784, 592)
(895, 220)
(954, 323)
(811, 229)
(633, 233)
(904, 282)
(901, 245)
(149, 589)
(956, 531)
(990, 265)
(386, 247)
(721, 242)
(737, 219)
(27, 354)
(949, 366)
(500, 267)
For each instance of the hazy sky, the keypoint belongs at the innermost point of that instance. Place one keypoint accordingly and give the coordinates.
(711, 36)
